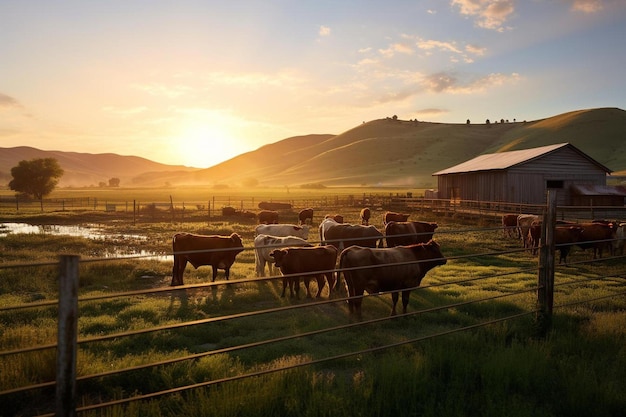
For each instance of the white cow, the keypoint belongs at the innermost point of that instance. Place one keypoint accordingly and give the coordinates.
(326, 224)
(620, 235)
(283, 230)
(265, 244)
(524, 221)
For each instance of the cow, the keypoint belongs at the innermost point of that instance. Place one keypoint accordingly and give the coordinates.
(391, 216)
(365, 216)
(524, 221)
(327, 223)
(598, 236)
(215, 250)
(265, 244)
(306, 262)
(282, 229)
(304, 215)
(509, 225)
(408, 233)
(274, 205)
(387, 269)
(268, 217)
(618, 245)
(336, 217)
(564, 238)
(343, 235)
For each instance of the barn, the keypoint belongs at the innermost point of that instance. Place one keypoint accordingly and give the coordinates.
(524, 176)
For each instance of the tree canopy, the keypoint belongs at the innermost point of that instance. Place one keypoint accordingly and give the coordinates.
(36, 177)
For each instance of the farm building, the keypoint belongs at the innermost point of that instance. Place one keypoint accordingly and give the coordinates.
(524, 176)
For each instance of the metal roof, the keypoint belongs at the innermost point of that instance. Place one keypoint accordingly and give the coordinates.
(504, 160)
(603, 190)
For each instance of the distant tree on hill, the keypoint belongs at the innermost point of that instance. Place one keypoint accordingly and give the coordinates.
(114, 182)
(36, 177)
(467, 122)
(487, 122)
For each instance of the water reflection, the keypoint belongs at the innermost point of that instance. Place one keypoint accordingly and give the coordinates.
(89, 232)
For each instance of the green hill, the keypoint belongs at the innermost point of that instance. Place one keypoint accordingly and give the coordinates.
(384, 152)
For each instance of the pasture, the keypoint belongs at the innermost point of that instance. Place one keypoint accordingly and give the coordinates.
(473, 349)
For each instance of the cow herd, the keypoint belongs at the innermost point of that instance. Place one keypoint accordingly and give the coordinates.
(358, 249)
(598, 235)
(371, 260)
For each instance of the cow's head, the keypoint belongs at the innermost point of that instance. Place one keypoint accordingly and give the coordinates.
(278, 255)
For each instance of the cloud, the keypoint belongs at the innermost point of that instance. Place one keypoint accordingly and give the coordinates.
(401, 48)
(439, 45)
(8, 102)
(489, 14)
(443, 82)
(587, 6)
(125, 111)
(324, 31)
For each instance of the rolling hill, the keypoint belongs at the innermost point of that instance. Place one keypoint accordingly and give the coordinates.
(383, 152)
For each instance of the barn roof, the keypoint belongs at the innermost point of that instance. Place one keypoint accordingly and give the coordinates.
(601, 190)
(505, 160)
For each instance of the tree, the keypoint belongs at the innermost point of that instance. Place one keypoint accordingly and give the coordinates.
(114, 182)
(37, 177)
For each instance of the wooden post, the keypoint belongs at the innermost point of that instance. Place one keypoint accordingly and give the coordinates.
(545, 292)
(67, 336)
(134, 212)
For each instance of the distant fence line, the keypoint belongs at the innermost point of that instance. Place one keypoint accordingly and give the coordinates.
(212, 207)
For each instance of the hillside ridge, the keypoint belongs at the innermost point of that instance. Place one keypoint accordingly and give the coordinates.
(382, 152)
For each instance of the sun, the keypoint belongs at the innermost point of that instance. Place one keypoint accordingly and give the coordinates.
(203, 145)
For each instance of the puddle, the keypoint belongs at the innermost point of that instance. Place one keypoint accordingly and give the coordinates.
(88, 232)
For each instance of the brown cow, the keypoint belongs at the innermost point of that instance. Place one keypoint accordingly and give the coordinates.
(343, 235)
(509, 225)
(268, 217)
(362, 271)
(304, 262)
(408, 233)
(597, 236)
(365, 216)
(391, 216)
(565, 236)
(217, 251)
(306, 214)
(336, 217)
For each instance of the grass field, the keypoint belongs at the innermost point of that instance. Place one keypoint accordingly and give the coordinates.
(500, 369)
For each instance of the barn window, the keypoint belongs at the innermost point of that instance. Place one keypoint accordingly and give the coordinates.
(554, 184)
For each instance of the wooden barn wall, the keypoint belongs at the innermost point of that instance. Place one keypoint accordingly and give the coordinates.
(525, 183)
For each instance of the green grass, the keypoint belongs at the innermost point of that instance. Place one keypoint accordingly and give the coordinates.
(500, 369)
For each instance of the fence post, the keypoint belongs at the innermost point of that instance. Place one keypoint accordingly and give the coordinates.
(545, 292)
(67, 336)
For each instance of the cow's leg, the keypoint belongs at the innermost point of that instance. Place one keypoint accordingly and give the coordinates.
(285, 283)
(321, 281)
(260, 266)
(405, 300)
(307, 282)
(294, 287)
(178, 270)
(215, 272)
(394, 301)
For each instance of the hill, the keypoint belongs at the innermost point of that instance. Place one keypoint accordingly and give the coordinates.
(389, 152)
(86, 169)
(384, 152)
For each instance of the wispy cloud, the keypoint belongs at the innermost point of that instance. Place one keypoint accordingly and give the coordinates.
(587, 6)
(8, 102)
(324, 31)
(489, 14)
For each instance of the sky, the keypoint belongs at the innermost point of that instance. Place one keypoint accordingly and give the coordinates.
(195, 83)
